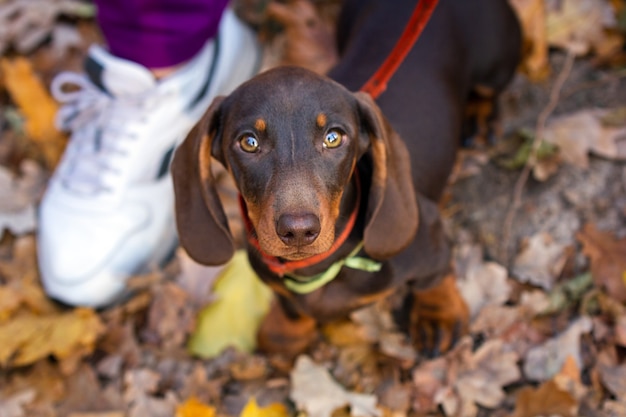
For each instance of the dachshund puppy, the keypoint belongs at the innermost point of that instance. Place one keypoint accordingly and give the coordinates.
(338, 192)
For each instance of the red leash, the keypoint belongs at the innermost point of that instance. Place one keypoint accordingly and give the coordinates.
(377, 84)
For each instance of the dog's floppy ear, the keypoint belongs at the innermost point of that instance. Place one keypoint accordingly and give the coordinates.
(392, 212)
(202, 225)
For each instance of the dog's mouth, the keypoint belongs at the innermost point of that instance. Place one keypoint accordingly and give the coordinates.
(274, 247)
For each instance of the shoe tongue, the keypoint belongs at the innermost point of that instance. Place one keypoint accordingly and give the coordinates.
(117, 76)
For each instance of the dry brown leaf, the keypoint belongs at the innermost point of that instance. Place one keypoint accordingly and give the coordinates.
(171, 317)
(380, 327)
(620, 330)
(532, 15)
(22, 277)
(546, 400)
(463, 379)
(18, 196)
(544, 361)
(614, 379)
(540, 261)
(26, 24)
(13, 406)
(558, 396)
(579, 25)
(480, 283)
(583, 132)
(490, 368)
(86, 393)
(314, 391)
(37, 106)
(429, 378)
(608, 260)
(27, 338)
(614, 408)
(140, 384)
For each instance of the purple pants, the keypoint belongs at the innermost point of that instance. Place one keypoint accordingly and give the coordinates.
(158, 33)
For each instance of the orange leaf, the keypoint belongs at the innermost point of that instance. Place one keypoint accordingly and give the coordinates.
(194, 408)
(35, 103)
(608, 260)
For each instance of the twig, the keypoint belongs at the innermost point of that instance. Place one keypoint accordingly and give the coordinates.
(532, 158)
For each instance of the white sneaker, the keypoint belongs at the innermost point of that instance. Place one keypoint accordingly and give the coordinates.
(108, 212)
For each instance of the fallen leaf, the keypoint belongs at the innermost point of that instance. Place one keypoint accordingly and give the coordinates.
(480, 283)
(490, 368)
(27, 337)
(546, 400)
(192, 407)
(170, 317)
(563, 295)
(614, 408)
(86, 393)
(233, 319)
(140, 384)
(463, 379)
(315, 392)
(429, 378)
(579, 25)
(614, 379)
(27, 24)
(544, 361)
(540, 261)
(37, 106)
(379, 327)
(252, 409)
(13, 406)
(608, 260)
(18, 196)
(532, 16)
(583, 132)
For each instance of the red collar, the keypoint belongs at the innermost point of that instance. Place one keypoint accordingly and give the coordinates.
(281, 268)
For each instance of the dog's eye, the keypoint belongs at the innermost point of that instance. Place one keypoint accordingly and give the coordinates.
(249, 143)
(333, 138)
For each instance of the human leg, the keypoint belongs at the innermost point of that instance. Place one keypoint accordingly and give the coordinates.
(108, 209)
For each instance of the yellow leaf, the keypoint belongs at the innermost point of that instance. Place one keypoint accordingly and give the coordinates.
(35, 103)
(234, 318)
(252, 409)
(532, 16)
(10, 301)
(27, 337)
(194, 408)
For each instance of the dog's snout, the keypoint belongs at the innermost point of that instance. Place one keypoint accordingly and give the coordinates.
(298, 230)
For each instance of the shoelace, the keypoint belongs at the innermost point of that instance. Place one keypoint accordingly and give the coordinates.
(99, 124)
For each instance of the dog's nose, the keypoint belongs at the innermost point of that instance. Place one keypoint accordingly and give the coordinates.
(298, 230)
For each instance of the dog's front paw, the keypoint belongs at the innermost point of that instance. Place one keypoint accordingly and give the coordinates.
(285, 336)
(439, 317)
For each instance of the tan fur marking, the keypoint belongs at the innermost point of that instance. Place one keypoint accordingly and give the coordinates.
(321, 120)
(260, 125)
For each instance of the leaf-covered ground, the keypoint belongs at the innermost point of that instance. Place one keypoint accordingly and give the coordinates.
(538, 220)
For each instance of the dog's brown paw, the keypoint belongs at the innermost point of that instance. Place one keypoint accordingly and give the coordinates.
(283, 335)
(439, 317)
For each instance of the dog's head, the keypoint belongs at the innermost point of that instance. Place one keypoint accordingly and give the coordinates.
(291, 139)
